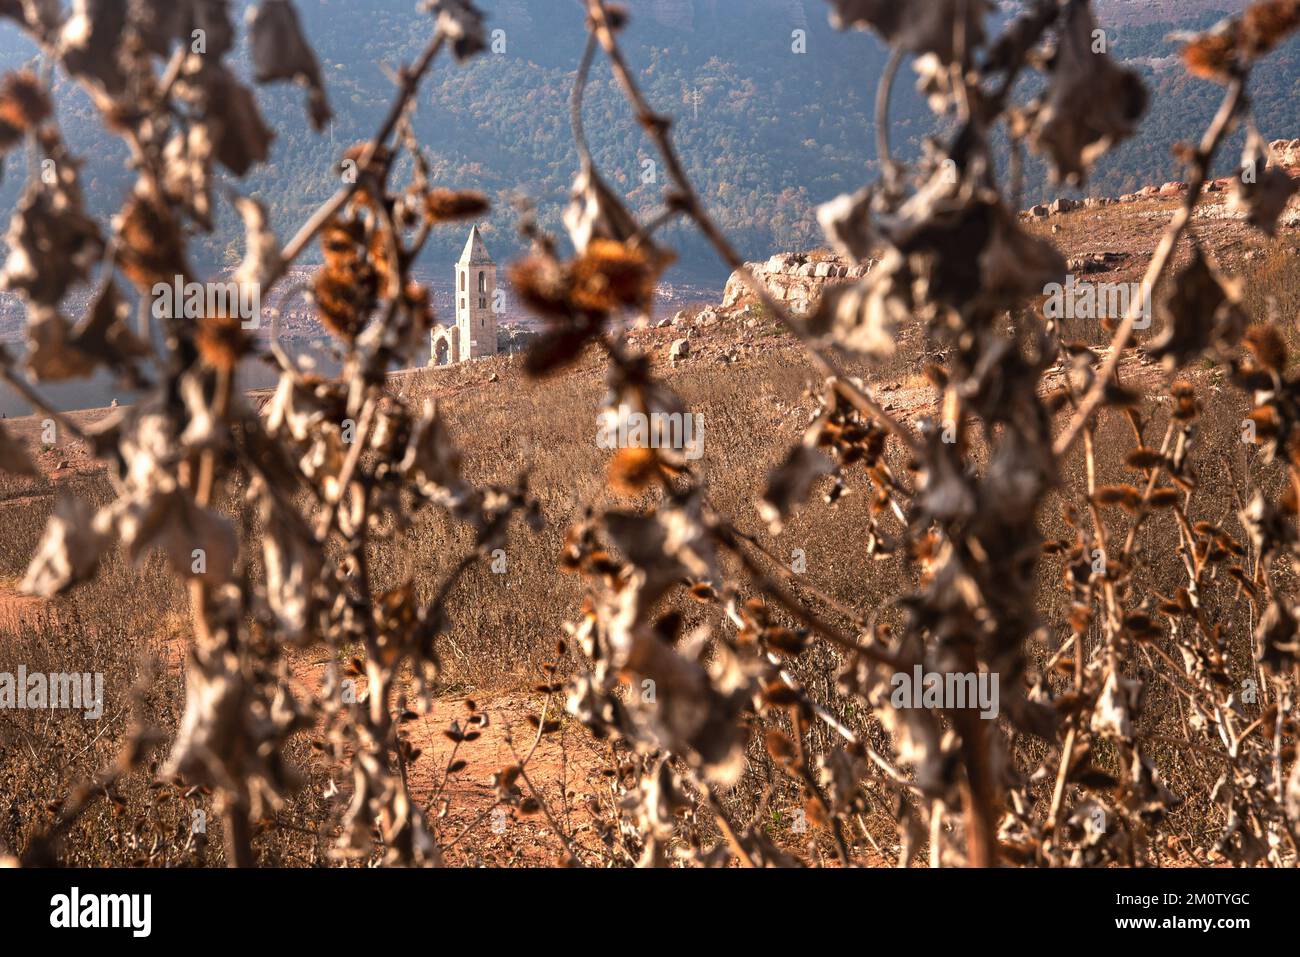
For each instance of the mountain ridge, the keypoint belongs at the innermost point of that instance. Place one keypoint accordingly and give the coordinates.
(766, 134)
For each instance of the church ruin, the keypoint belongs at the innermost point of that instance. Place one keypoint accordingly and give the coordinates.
(475, 331)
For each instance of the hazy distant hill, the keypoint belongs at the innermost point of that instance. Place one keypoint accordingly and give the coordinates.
(767, 133)
(1162, 11)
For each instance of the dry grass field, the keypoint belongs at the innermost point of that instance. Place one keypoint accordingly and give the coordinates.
(507, 624)
(956, 580)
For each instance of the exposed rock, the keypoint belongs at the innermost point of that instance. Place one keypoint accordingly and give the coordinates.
(1217, 211)
(680, 349)
(1096, 262)
(796, 280)
(1290, 218)
(1039, 211)
(1285, 153)
(1173, 189)
(1063, 205)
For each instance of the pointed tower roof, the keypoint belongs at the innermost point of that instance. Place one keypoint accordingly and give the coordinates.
(475, 253)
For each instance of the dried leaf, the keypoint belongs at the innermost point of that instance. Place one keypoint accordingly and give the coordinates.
(1091, 105)
(1116, 705)
(104, 335)
(196, 541)
(23, 107)
(1261, 191)
(449, 205)
(91, 42)
(69, 552)
(151, 245)
(926, 26)
(462, 23)
(280, 51)
(790, 482)
(1201, 309)
(594, 212)
(50, 354)
(261, 250)
(53, 244)
(14, 457)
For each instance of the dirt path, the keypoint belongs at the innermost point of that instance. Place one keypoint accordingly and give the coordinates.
(17, 610)
(565, 767)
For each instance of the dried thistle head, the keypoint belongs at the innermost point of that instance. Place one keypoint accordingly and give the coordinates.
(1265, 343)
(1265, 25)
(633, 470)
(152, 246)
(346, 288)
(449, 205)
(1232, 44)
(222, 342)
(23, 106)
(610, 275)
(1212, 55)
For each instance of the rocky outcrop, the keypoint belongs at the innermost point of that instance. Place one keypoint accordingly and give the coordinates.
(796, 280)
(1285, 153)
(1096, 262)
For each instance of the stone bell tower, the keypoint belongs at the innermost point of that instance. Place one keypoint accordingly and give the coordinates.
(476, 285)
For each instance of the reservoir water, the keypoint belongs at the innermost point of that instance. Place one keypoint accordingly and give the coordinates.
(101, 389)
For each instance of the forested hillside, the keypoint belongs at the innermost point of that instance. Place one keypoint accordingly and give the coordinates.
(768, 132)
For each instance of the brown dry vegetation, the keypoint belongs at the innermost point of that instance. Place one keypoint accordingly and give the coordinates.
(501, 715)
(494, 649)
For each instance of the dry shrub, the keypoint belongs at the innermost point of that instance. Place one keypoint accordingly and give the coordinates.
(1100, 549)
